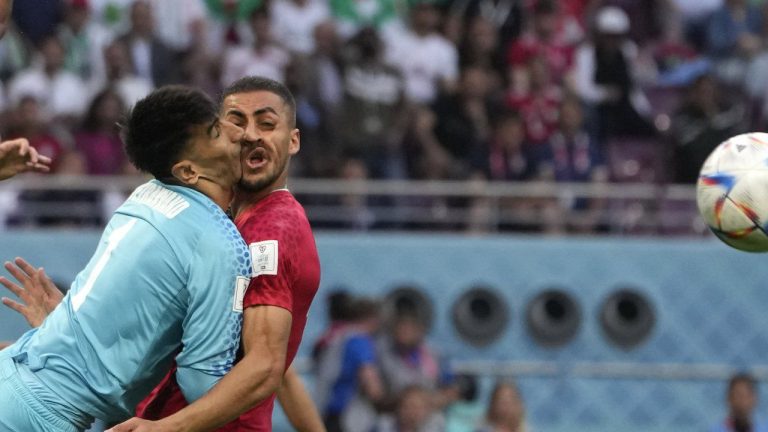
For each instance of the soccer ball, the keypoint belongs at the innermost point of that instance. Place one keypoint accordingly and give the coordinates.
(732, 192)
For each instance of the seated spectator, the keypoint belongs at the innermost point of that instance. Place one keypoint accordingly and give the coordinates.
(503, 157)
(573, 156)
(542, 40)
(120, 75)
(58, 91)
(705, 120)
(480, 47)
(152, 60)
(463, 119)
(348, 384)
(506, 412)
(734, 38)
(84, 41)
(607, 77)
(537, 101)
(374, 110)
(294, 22)
(741, 397)
(505, 15)
(406, 360)
(28, 121)
(428, 61)
(98, 139)
(262, 58)
(414, 413)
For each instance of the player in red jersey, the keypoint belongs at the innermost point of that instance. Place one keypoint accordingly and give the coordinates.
(286, 265)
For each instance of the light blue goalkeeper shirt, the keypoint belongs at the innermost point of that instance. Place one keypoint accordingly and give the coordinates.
(169, 274)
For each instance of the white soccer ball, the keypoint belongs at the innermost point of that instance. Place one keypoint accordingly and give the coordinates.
(732, 192)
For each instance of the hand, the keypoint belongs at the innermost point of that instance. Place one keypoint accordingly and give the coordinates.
(17, 156)
(138, 425)
(37, 292)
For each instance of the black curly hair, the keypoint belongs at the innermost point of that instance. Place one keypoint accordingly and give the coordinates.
(158, 128)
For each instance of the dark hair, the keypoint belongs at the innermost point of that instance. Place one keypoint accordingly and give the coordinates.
(256, 83)
(340, 305)
(91, 120)
(158, 128)
(544, 7)
(742, 377)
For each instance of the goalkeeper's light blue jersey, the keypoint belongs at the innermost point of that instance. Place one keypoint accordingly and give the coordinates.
(169, 274)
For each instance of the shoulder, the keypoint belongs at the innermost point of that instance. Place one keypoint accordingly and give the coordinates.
(280, 218)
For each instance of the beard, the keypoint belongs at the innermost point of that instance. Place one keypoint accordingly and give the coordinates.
(259, 183)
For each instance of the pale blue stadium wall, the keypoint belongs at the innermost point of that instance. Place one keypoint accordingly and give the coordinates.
(711, 304)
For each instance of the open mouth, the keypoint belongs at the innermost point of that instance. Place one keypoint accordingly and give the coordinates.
(257, 158)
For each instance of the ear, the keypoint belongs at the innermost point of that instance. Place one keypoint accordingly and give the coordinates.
(186, 172)
(295, 144)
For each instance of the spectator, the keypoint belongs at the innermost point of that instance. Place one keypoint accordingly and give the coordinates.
(506, 412)
(120, 75)
(414, 413)
(505, 15)
(324, 89)
(340, 314)
(98, 139)
(542, 40)
(704, 121)
(480, 47)
(263, 58)
(229, 25)
(179, 23)
(502, 157)
(606, 77)
(351, 16)
(37, 20)
(573, 156)
(348, 384)
(742, 401)
(734, 38)
(463, 119)
(537, 101)
(152, 60)
(58, 91)
(406, 360)
(427, 60)
(294, 22)
(374, 110)
(28, 121)
(84, 41)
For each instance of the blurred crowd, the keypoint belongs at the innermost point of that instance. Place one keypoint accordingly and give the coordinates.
(504, 90)
(375, 372)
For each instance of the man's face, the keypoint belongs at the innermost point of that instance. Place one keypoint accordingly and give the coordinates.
(742, 400)
(215, 149)
(270, 137)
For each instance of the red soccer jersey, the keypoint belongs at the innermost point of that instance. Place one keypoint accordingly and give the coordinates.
(286, 274)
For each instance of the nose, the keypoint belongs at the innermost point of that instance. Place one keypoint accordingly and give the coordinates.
(252, 133)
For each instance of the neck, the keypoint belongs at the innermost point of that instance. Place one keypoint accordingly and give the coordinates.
(220, 195)
(244, 199)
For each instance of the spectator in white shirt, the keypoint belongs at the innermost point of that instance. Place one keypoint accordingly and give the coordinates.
(427, 60)
(294, 21)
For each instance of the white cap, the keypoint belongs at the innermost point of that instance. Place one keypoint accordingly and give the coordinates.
(612, 20)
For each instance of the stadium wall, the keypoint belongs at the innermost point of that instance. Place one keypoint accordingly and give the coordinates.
(708, 302)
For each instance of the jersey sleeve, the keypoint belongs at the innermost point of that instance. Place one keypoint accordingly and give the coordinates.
(212, 326)
(271, 282)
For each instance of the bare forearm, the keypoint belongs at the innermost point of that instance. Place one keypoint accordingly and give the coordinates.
(247, 384)
(298, 405)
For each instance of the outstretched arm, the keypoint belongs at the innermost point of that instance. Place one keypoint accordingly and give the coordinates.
(298, 405)
(17, 156)
(38, 295)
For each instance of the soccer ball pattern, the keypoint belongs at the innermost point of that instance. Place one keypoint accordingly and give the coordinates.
(732, 192)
